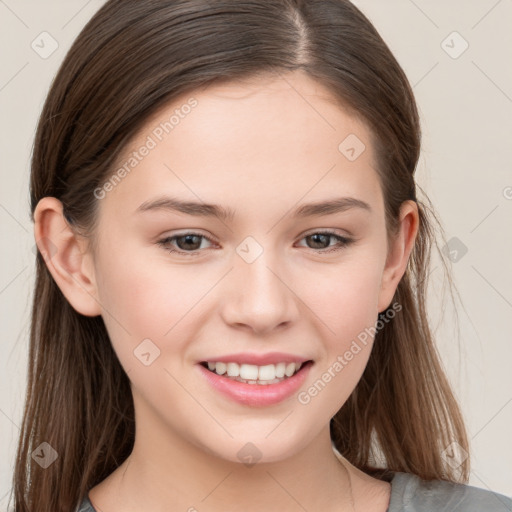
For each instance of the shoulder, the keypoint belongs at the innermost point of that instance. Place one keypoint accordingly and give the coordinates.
(409, 493)
(85, 506)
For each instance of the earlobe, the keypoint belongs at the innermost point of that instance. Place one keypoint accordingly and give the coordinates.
(399, 253)
(65, 256)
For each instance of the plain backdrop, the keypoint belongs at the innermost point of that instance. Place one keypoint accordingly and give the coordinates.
(457, 56)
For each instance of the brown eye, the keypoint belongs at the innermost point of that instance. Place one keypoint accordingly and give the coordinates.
(192, 242)
(188, 243)
(320, 241)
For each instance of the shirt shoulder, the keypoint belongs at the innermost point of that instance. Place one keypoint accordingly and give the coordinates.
(86, 506)
(409, 493)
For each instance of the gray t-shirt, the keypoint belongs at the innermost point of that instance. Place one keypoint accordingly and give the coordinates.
(411, 494)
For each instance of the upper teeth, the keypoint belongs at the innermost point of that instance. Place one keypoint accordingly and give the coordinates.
(253, 372)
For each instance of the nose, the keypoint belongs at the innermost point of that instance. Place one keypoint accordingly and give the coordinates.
(259, 296)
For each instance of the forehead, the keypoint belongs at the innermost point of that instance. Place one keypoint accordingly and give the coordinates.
(276, 136)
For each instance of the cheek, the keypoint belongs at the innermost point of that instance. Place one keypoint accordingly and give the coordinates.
(347, 301)
(343, 295)
(142, 302)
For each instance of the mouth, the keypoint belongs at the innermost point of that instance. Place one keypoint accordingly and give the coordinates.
(265, 386)
(253, 374)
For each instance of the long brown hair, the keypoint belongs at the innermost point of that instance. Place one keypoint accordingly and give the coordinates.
(130, 60)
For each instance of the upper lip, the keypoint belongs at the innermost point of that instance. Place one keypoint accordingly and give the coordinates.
(258, 359)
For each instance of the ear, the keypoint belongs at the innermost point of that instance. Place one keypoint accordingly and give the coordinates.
(399, 251)
(65, 255)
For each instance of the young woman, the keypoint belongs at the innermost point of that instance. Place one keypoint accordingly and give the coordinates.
(229, 311)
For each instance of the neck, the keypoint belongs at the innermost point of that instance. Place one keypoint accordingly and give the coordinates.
(164, 470)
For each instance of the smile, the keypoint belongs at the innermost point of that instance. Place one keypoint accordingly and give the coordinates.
(255, 385)
(253, 374)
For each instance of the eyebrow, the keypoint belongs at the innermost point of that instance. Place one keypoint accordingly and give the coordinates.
(328, 207)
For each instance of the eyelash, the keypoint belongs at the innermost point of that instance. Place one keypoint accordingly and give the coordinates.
(342, 243)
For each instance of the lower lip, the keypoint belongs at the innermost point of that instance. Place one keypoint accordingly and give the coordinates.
(257, 394)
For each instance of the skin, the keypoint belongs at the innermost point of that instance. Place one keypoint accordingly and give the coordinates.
(261, 147)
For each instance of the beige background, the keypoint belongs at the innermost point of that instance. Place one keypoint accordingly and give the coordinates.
(466, 107)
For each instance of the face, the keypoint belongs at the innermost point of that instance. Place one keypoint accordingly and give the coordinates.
(274, 281)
